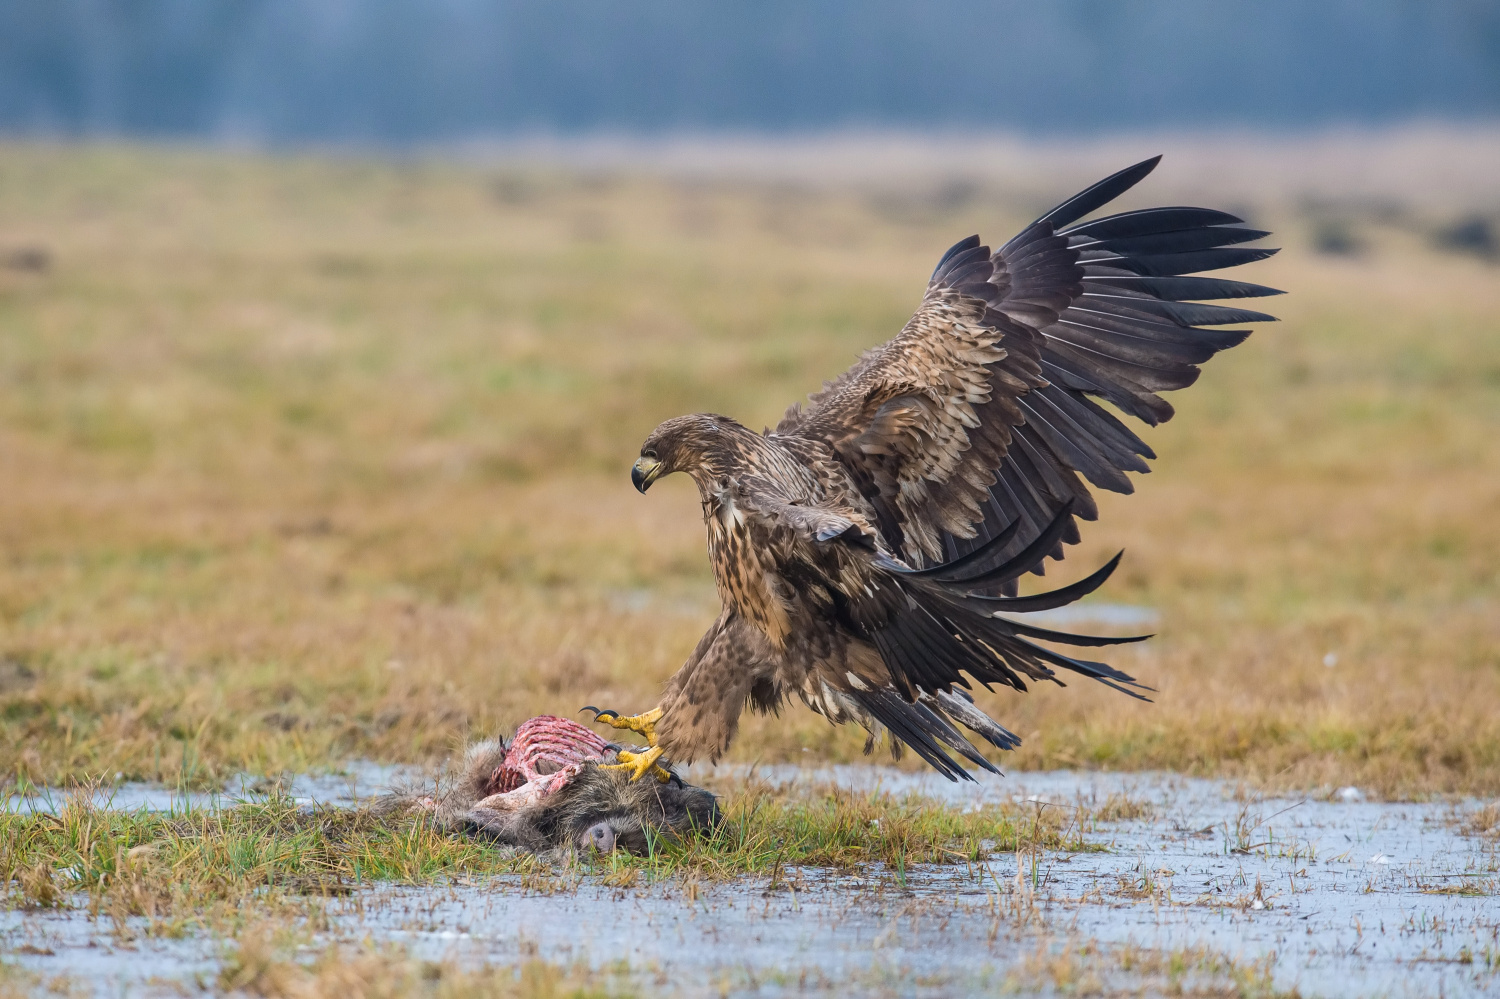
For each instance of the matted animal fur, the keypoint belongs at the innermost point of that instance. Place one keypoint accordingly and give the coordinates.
(595, 809)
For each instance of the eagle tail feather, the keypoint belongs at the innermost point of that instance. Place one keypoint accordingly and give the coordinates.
(962, 709)
(916, 728)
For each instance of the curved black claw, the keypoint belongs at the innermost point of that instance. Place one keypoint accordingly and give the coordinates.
(598, 713)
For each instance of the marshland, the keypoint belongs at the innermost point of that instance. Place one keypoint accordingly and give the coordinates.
(318, 464)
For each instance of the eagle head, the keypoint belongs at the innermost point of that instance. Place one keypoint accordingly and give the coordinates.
(703, 445)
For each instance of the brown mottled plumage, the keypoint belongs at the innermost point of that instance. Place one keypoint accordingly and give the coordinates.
(866, 551)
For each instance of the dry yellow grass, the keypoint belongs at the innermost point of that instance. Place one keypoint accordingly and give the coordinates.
(309, 458)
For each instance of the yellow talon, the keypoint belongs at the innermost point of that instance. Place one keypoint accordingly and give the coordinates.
(640, 764)
(644, 723)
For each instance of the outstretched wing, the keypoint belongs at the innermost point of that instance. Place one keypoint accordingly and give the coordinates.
(983, 415)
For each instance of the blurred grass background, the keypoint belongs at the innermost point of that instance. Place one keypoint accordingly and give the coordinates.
(306, 458)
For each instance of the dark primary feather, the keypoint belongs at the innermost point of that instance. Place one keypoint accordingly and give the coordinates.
(1151, 221)
(1060, 597)
(1174, 241)
(1099, 195)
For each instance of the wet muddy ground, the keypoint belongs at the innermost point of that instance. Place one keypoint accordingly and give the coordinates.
(1340, 897)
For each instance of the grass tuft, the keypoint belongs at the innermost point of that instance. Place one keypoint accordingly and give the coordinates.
(169, 867)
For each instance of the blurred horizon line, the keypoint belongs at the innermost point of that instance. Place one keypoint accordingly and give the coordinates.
(1433, 159)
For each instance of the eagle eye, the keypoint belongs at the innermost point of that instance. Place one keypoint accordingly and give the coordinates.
(649, 452)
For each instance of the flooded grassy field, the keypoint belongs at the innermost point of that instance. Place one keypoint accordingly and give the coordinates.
(1156, 882)
(315, 458)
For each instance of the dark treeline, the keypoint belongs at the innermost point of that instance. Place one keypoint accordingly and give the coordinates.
(422, 70)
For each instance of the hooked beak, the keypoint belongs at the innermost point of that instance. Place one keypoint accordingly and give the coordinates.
(644, 472)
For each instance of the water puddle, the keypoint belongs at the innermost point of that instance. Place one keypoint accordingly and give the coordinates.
(361, 779)
(1340, 898)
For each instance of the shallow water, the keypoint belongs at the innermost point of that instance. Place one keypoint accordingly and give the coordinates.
(1350, 902)
(360, 779)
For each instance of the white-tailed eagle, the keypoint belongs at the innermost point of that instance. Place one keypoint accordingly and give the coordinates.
(866, 551)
